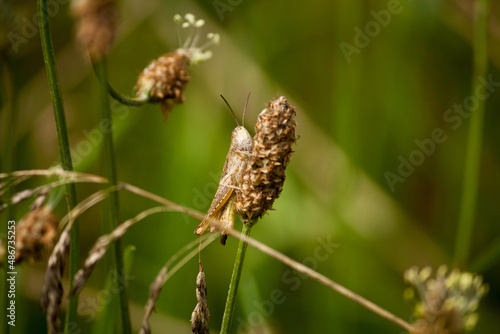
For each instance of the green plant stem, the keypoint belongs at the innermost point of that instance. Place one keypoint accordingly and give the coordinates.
(235, 281)
(8, 158)
(474, 140)
(110, 170)
(128, 101)
(64, 148)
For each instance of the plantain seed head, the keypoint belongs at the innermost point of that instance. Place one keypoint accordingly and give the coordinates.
(264, 175)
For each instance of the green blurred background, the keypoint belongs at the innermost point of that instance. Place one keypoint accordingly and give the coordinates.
(356, 116)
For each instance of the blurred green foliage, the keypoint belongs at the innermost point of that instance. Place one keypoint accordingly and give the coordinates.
(357, 115)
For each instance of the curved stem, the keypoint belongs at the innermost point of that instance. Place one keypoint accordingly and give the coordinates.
(129, 101)
(64, 148)
(474, 140)
(235, 281)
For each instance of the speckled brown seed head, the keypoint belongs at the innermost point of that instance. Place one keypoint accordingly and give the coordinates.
(164, 80)
(36, 234)
(264, 176)
(96, 25)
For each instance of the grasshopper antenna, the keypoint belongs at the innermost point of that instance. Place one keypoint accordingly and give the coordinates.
(232, 112)
(245, 110)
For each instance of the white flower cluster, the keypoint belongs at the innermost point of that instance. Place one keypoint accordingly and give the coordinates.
(194, 53)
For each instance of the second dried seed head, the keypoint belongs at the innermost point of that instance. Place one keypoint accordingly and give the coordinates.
(164, 79)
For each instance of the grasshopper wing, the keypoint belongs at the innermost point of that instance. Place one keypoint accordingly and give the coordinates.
(216, 210)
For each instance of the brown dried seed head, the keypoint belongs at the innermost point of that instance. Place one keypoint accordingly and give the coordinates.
(201, 314)
(164, 80)
(97, 22)
(36, 234)
(264, 176)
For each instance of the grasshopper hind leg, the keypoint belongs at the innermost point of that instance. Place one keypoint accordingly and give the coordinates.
(227, 219)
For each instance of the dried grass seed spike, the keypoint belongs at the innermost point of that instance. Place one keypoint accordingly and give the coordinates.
(96, 26)
(201, 314)
(265, 175)
(36, 234)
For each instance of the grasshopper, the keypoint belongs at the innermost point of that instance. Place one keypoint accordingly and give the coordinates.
(222, 207)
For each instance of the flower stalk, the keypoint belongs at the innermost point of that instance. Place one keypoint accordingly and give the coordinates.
(64, 148)
(475, 137)
(235, 281)
(113, 207)
(262, 181)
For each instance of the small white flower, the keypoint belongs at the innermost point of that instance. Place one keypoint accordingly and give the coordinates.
(189, 47)
(190, 18)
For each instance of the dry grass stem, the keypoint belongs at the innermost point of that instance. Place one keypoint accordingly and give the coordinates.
(38, 191)
(52, 290)
(161, 200)
(97, 252)
(154, 292)
(20, 176)
(40, 200)
(282, 258)
(54, 172)
(322, 279)
(165, 274)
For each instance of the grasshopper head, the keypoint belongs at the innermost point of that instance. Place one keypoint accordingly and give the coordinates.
(241, 139)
